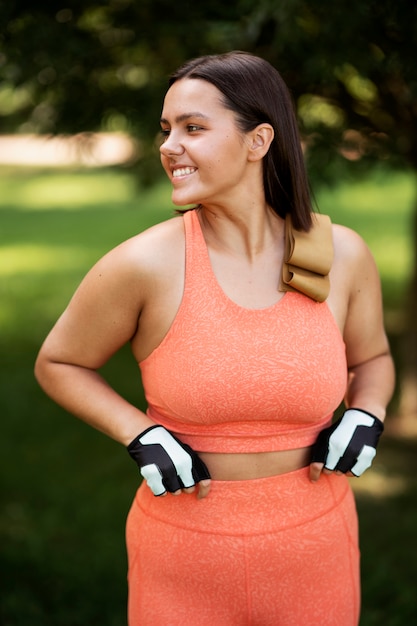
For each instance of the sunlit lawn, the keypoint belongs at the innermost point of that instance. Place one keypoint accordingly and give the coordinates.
(66, 489)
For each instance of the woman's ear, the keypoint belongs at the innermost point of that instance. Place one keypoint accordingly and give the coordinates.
(259, 140)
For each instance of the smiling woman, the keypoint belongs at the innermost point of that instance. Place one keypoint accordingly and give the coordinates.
(242, 374)
(203, 150)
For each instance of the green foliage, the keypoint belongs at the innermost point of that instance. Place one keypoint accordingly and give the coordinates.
(99, 65)
(96, 65)
(349, 70)
(65, 488)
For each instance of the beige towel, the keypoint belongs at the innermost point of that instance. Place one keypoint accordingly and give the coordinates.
(308, 258)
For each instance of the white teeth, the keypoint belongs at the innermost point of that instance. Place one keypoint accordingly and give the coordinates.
(183, 171)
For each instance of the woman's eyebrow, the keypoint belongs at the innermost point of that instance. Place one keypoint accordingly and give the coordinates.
(185, 116)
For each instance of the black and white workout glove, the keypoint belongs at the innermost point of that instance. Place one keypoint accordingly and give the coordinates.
(349, 445)
(164, 462)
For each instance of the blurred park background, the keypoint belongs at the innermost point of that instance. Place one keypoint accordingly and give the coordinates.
(81, 85)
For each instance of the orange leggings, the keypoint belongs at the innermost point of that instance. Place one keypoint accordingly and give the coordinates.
(277, 551)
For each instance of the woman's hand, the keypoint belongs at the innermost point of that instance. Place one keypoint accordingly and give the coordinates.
(348, 446)
(167, 464)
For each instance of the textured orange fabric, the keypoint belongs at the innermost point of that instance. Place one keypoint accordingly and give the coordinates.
(277, 551)
(230, 379)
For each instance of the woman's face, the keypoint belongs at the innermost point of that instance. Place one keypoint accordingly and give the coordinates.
(203, 152)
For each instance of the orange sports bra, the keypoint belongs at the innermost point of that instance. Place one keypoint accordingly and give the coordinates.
(230, 379)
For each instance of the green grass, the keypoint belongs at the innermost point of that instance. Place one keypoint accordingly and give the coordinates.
(66, 489)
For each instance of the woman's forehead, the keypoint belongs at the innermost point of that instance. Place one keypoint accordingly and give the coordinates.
(192, 95)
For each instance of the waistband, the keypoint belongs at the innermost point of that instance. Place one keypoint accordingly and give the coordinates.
(249, 507)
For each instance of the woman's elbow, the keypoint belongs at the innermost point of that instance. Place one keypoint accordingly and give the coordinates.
(40, 368)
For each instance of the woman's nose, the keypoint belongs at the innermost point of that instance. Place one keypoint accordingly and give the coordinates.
(171, 145)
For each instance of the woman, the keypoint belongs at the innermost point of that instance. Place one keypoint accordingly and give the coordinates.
(257, 522)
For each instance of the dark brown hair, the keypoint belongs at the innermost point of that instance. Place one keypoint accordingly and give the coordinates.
(254, 90)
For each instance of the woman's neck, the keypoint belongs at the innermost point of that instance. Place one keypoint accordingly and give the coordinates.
(246, 233)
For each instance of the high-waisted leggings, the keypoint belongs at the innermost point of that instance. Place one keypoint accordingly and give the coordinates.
(277, 551)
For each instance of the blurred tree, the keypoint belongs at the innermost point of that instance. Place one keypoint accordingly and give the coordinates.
(84, 65)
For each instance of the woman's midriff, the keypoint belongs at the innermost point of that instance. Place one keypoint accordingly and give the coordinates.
(249, 466)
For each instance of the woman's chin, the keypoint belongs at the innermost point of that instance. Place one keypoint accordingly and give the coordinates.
(182, 200)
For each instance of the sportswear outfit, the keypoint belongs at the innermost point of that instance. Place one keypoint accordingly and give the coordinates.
(277, 551)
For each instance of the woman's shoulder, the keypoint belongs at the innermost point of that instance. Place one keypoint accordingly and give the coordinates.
(349, 244)
(353, 262)
(142, 260)
(170, 231)
(157, 244)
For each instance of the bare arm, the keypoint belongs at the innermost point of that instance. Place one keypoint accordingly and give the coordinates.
(371, 371)
(120, 301)
(102, 316)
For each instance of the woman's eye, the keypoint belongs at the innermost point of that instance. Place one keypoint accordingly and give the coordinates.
(191, 128)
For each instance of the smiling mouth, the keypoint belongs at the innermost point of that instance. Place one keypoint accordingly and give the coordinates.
(183, 171)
